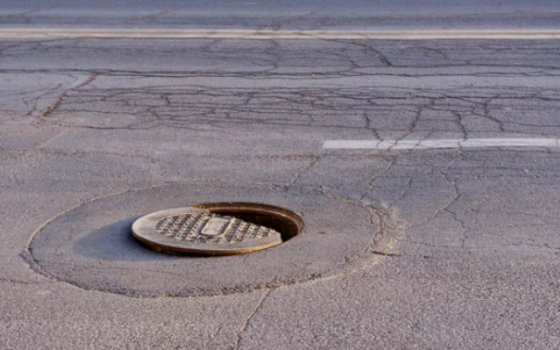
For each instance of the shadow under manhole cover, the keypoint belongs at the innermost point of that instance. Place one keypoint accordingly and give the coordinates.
(217, 228)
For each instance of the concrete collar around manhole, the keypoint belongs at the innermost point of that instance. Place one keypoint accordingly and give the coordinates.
(217, 228)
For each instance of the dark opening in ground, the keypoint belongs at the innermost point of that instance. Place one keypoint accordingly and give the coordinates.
(284, 221)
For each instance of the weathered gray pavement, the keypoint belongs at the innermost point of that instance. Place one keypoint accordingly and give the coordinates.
(274, 14)
(451, 248)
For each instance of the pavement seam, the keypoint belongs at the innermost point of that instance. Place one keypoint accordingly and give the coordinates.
(265, 74)
(53, 106)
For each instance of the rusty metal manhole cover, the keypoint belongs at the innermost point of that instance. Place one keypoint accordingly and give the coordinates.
(217, 228)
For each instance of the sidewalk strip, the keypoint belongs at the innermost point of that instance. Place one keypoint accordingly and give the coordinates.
(124, 33)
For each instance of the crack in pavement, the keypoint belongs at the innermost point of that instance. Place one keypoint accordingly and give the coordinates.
(195, 107)
(247, 320)
(80, 82)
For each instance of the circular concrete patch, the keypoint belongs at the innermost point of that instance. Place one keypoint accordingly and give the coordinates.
(92, 246)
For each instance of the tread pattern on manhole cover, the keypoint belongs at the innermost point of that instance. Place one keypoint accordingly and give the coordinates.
(190, 227)
(195, 230)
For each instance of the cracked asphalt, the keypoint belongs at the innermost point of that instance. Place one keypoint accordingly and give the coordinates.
(454, 248)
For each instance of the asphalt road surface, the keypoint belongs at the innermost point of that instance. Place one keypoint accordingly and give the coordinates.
(427, 171)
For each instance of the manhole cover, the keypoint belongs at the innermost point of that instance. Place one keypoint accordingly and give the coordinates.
(217, 228)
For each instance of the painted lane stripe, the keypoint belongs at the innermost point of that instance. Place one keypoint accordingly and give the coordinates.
(440, 144)
(123, 33)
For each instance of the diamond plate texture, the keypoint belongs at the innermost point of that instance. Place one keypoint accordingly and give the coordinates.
(189, 227)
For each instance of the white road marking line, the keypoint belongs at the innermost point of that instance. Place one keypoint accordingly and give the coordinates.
(441, 144)
(124, 33)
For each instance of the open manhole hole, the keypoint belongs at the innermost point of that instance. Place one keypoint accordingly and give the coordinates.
(217, 228)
